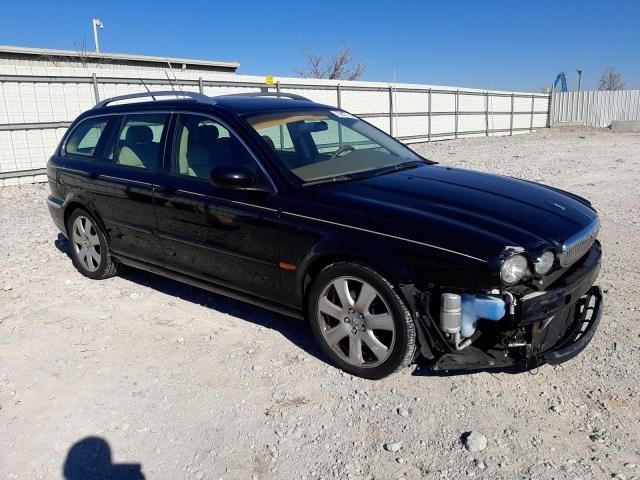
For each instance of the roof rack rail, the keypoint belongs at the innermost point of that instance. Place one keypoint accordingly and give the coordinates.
(198, 97)
(292, 96)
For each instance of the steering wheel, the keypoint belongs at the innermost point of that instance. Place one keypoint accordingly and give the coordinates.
(341, 150)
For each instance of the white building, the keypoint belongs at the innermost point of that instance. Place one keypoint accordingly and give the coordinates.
(45, 61)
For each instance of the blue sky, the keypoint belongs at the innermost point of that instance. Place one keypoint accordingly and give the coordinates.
(512, 45)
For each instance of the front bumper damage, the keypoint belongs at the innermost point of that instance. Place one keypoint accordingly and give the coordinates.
(550, 326)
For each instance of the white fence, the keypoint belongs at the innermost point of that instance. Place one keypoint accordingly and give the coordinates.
(35, 110)
(595, 109)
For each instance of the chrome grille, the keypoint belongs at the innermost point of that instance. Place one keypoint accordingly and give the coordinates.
(579, 244)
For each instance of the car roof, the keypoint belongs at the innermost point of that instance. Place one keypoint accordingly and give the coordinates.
(239, 104)
(252, 104)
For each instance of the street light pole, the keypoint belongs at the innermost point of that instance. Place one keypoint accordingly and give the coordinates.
(96, 23)
(579, 78)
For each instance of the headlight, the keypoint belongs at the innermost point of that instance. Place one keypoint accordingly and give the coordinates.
(544, 263)
(513, 269)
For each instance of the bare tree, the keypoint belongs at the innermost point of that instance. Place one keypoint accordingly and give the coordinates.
(341, 65)
(84, 57)
(610, 80)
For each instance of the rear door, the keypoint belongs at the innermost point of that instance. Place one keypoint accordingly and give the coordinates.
(119, 185)
(226, 236)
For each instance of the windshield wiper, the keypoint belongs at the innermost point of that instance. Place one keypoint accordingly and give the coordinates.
(396, 168)
(337, 178)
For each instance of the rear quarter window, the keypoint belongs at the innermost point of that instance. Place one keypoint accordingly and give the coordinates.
(85, 138)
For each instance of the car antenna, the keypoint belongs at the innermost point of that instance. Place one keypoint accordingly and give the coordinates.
(170, 82)
(145, 86)
(167, 74)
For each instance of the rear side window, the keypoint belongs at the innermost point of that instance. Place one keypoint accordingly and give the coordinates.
(139, 140)
(84, 140)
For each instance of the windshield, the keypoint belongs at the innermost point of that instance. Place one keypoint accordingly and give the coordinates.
(319, 145)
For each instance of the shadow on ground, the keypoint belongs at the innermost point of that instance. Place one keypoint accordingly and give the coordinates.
(90, 459)
(296, 331)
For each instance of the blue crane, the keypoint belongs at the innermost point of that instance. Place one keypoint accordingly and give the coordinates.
(563, 82)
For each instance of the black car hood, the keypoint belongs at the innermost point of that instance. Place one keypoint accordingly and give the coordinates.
(471, 212)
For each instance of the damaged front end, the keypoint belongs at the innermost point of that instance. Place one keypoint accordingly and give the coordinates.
(522, 326)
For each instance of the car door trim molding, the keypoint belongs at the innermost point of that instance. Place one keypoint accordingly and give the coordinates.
(385, 235)
(224, 251)
(128, 225)
(127, 180)
(237, 202)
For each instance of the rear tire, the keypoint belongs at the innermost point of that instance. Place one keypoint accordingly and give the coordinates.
(360, 321)
(89, 246)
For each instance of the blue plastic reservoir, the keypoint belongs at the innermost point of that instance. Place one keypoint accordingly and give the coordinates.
(475, 307)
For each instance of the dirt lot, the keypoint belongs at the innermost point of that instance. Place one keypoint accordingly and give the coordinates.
(192, 385)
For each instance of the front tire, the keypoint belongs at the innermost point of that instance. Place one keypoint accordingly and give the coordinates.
(360, 321)
(89, 247)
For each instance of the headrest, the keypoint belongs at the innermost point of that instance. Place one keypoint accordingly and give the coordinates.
(139, 134)
(269, 141)
(207, 133)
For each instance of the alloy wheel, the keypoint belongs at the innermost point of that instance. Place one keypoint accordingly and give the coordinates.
(86, 243)
(356, 322)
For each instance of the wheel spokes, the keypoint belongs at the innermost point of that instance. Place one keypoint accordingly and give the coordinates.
(94, 255)
(88, 260)
(342, 289)
(80, 227)
(366, 296)
(94, 239)
(380, 321)
(329, 308)
(355, 350)
(378, 348)
(335, 334)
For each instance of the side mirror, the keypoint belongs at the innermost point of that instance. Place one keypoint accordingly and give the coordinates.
(232, 177)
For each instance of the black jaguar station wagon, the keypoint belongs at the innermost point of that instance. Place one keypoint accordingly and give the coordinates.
(308, 210)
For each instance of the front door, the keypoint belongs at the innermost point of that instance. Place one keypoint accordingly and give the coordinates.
(222, 235)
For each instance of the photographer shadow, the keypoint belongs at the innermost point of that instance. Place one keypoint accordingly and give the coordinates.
(90, 459)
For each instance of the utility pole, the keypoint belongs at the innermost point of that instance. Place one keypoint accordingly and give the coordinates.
(96, 22)
(579, 78)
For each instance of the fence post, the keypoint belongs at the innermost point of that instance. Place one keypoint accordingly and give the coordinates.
(533, 103)
(550, 110)
(390, 110)
(511, 119)
(281, 128)
(457, 102)
(429, 117)
(486, 114)
(339, 98)
(96, 93)
(200, 86)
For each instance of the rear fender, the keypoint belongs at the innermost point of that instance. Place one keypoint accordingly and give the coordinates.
(75, 200)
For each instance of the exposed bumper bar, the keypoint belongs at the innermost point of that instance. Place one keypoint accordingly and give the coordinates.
(582, 333)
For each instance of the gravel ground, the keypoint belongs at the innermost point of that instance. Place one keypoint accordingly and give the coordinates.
(187, 384)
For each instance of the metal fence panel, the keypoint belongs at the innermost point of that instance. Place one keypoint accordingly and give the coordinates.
(595, 108)
(35, 110)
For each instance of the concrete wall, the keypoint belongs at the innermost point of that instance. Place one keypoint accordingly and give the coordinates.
(38, 102)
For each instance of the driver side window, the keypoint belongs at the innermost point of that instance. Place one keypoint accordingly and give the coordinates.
(202, 144)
